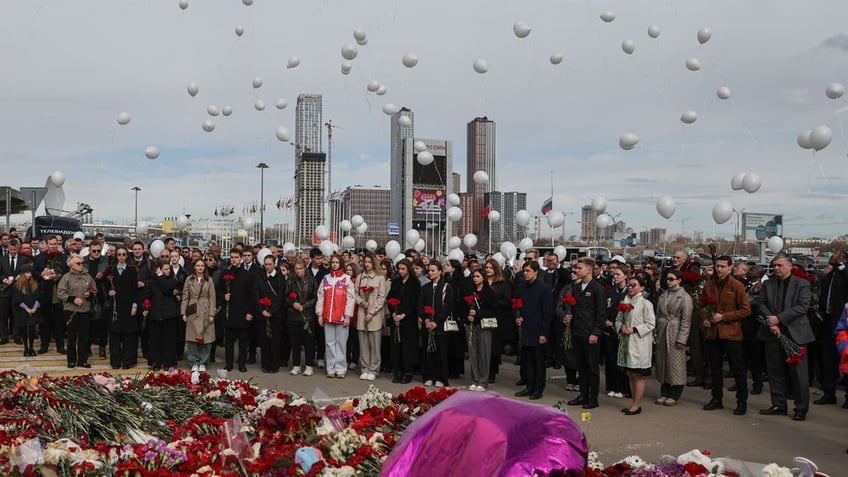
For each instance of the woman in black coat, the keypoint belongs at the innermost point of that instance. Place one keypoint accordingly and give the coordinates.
(435, 306)
(502, 289)
(403, 325)
(162, 318)
(121, 282)
(271, 293)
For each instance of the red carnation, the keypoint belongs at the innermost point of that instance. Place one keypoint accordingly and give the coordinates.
(469, 299)
(624, 307)
(110, 277)
(607, 287)
(229, 276)
(517, 303)
(428, 310)
(708, 301)
(366, 290)
(146, 303)
(569, 299)
(292, 296)
(393, 302)
(265, 301)
(691, 278)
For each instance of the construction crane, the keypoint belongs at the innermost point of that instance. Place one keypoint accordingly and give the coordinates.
(330, 126)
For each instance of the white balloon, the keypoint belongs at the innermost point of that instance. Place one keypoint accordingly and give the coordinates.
(470, 240)
(151, 152)
(259, 105)
(57, 178)
(419, 146)
(262, 253)
(372, 86)
(283, 134)
(346, 67)
(420, 245)
(666, 206)
(603, 221)
(820, 137)
(560, 252)
(525, 243)
(359, 35)
(322, 232)
(692, 64)
(556, 58)
(425, 158)
(412, 236)
(123, 118)
(723, 92)
(835, 90)
(227, 110)
(392, 249)
(722, 212)
(405, 121)
(182, 222)
(183, 4)
(192, 89)
(804, 139)
(362, 228)
(409, 60)
(345, 225)
(752, 182)
(775, 243)
(208, 125)
(288, 246)
(704, 35)
(498, 257)
(239, 30)
(381, 90)
(736, 181)
(481, 177)
(293, 62)
(212, 110)
(248, 222)
(371, 245)
(282, 103)
(654, 31)
(390, 109)
(599, 204)
(362, 42)
(628, 141)
(257, 82)
(453, 199)
(141, 228)
(156, 247)
(247, 2)
(357, 220)
(521, 29)
(494, 216)
(522, 218)
(454, 214)
(555, 219)
(349, 51)
(508, 250)
(454, 242)
(327, 248)
(607, 16)
(628, 46)
(79, 235)
(481, 66)
(348, 242)
(689, 117)
(456, 254)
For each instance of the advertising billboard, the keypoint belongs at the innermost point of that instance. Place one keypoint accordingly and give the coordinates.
(428, 204)
(760, 227)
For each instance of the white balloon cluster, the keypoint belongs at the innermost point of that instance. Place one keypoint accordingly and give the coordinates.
(817, 138)
(750, 182)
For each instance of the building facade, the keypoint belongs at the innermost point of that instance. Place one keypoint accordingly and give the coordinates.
(310, 164)
(425, 191)
(374, 205)
(402, 128)
(507, 204)
(481, 150)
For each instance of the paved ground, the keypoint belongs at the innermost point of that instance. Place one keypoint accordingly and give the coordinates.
(659, 430)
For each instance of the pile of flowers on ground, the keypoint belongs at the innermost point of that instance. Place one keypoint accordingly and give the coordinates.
(695, 463)
(163, 424)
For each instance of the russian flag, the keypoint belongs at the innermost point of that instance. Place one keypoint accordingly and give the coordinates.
(548, 205)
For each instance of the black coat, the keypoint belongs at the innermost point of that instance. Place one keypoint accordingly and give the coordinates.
(243, 300)
(127, 294)
(22, 318)
(537, 311)
(503, 310)
(441, 298)
(838, 297)
(408, 293)
(164, 298)
(590, 312)
(307, 295)
(274, 288)
(6, 270)
(48, 287)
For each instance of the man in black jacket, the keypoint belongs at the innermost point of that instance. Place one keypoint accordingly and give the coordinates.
(10, 264)
(533, 318)
(238, 302)
(587, 324)
(832, 297)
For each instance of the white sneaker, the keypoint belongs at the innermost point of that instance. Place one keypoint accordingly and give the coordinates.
(474, 387)
(307, 371)
(195, 368)
(439, 384)
(428, 382)
(371, 377)
(611, 394)
(364, 376)
(295, 370)
(320, 363)
(619, 395)
(202, 368)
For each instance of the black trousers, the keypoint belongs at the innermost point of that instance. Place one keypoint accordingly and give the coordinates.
(52, 325)
(400, 367)
(736, 357)
(457, 345)
(180, 339)
(829, 358)
(99, 331)
(123, 349)
(614, 375)
(587, 357)
(436, 364)
(755, 359)
(78, 329)
(673, 392)
(6, 321)
(285, 343)
(778, 371)
(533, 364)
(300, 338)
(256, 329)
(352, 348)
(271, 346)
(162, 348)
(232, 335)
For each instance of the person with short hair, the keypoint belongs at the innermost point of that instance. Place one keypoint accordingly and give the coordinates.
(238, 302)
(587, 323)
(674, 319)
(334, 307)
(533, 318)
(75, 291)
(635, 328)
(122, 288)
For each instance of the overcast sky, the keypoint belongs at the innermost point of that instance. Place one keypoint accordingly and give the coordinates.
(70, 67)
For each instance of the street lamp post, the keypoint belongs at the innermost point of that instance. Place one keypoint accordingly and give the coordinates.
(135, 223)
(262, 166)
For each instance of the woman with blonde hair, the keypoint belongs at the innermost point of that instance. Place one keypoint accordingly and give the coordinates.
(371, 290)
(336, 299)
(198, 312)
(25, 295)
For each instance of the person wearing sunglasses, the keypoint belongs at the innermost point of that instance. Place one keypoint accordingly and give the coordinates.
(122, 287)
(674, 319)
(635, 328)
(75, 291)
(95, 264)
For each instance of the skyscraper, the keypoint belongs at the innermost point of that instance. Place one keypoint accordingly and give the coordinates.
(373, 204)
(402, 128)
(424, 192)
(481, 150)
(507, 203)
(309, 165)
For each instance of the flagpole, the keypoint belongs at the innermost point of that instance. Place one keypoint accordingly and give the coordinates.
(552, 205)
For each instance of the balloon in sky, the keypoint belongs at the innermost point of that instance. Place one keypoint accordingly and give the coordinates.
(628, 141)
(142, 228)
(362, 228)
(454, 242)
(775, 243)
(327, 248)
(282, 103)
(521, 29)
(723, 92)
(156, 247)
(560, 252)
(804, 139)
(522, 218)
(419, 146)
(57, 179)
(409, 60)
(453, 199)
(425, 158)
(283, 134)
(348, 242)
(183, 4)
(603, 221)
(666, 206)
(192, 89)
(556, 58)
(293, 62)
(227, 110)
(371, 245)
(494, 216)
(359, 35)
(820, 137)
(470, 240)
(456, 254)
(692, 64)
(599, 204)
(412, 236)
(239, 30)
(607, 16)
(654, 31)
(182, 222)
(373, 86)
(689, 117)
(392, 249)
(481, 66)
(405, 121)
(390, 109)
(736, 181)
(208, 125)
(322, 232)
(151, 152)
(454, 214)
(257, 82)
(480, 177)
(556, 219)
(525, 243)
(357, 220)
(835, 90)
(346, 67)
(345, 225)
(259, 105)
(628, 46)
(704, 35)
(751, 182)
(722, 212)
(508, 250)
(420, 245)
(123, 118)
(381, 90)
(247, 2)
(349, 52)
(212, 110)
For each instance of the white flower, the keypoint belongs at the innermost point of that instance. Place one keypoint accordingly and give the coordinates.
(213, 394)
(593, 462)
(373, 397)
(298, 402)
(325, 428)
(774, 470)
(695, 456)
(635, 462)
(344, 471)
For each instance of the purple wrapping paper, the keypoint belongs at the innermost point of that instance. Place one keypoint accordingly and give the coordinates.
(484, 434)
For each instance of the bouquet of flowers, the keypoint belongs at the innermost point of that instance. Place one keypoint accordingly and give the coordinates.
(517, 305)
(791, 349)
(228, 280)
(394, 303)
(145, 305)
(692, 281)
(567, 302)
(429, 314)
(708, 308)
(308, 329)
(624, 310)
(474, 304)
(266, 303)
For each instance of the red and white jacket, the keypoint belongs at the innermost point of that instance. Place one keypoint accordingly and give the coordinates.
(336, 298)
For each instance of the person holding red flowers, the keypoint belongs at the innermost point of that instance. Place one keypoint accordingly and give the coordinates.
(403, 306)
(123, 290)
(587, 323)
(635, 324)
(783, 301)
(48, 268)
(371, 289)
(75, 291)
(198, 311)
(300, 317)
(271, 290)
(161, 312)
(237, 289)
(435, 305)
(615, 378)
(479, 304)
(336, 300)
(533, 311)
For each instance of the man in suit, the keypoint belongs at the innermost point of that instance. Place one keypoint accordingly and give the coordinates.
(9, 266)
(784, 301)
(238, 302)
(48, 268)
(587, 323)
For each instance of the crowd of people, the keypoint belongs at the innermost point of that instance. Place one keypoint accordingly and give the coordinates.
(362, 311)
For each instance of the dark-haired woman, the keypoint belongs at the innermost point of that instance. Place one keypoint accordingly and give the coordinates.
(635, 326)
(402, 302)
(674, 318)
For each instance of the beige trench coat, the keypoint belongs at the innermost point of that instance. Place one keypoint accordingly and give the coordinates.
(674, 319)
(198, 327)
(376, 301)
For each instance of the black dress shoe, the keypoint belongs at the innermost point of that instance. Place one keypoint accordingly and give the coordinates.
(826, 399)
(116, 366)
(535, 396)
(72, 365)
(61, 350)
(628, 412)
(799, 416)
(406, 380)
(713, 405)
(243, 368)
(757, 388)
(42, 350)
(521, 382)
(229, 368)
(773, 411)
(4, 341)
(695, 383)
(126, 366)
(732, 388)
(251, 360)
(85, 365)
(578, 401)
(522, 393)
(590, 404)
(396, 379)
(741, 409)
(18, 340)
